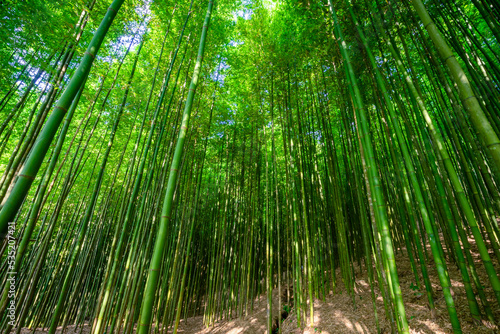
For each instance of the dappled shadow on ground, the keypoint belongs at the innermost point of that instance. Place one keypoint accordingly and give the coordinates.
(338, 314)
(254, 323)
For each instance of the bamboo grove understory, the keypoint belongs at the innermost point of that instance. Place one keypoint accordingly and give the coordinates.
(162, 160)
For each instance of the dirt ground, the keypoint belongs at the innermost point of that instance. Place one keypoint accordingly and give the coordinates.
(337, 314)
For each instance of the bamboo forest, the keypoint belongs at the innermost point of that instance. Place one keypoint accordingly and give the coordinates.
(249, 166)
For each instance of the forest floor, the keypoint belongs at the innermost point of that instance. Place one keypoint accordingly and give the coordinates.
(337, 313)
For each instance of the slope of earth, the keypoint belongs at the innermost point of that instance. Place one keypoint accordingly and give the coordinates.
(337, 314)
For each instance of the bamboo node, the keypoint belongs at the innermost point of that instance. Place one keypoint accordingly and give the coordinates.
(446, 59)
(470, 97)
(62, 108)
(492, 144)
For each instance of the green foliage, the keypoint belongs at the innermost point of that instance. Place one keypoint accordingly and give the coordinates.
(274, 153)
